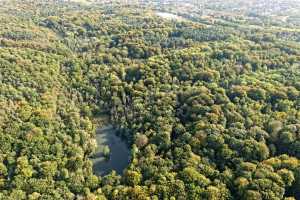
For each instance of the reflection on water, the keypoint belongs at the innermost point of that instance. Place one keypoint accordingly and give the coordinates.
(119, 153)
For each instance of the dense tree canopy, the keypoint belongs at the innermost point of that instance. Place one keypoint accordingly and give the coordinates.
(210, 109)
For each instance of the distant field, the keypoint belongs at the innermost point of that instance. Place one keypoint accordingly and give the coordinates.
(81, 1)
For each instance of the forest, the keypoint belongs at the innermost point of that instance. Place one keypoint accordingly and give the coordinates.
(208, 101)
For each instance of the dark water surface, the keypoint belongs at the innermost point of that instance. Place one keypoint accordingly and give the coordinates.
(119, 152)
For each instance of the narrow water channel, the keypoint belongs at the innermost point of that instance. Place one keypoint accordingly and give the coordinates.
(119, 153)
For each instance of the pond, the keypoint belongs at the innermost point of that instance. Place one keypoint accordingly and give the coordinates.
(119, 155)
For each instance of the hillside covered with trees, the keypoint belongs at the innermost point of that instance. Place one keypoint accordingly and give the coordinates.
(210, 107)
